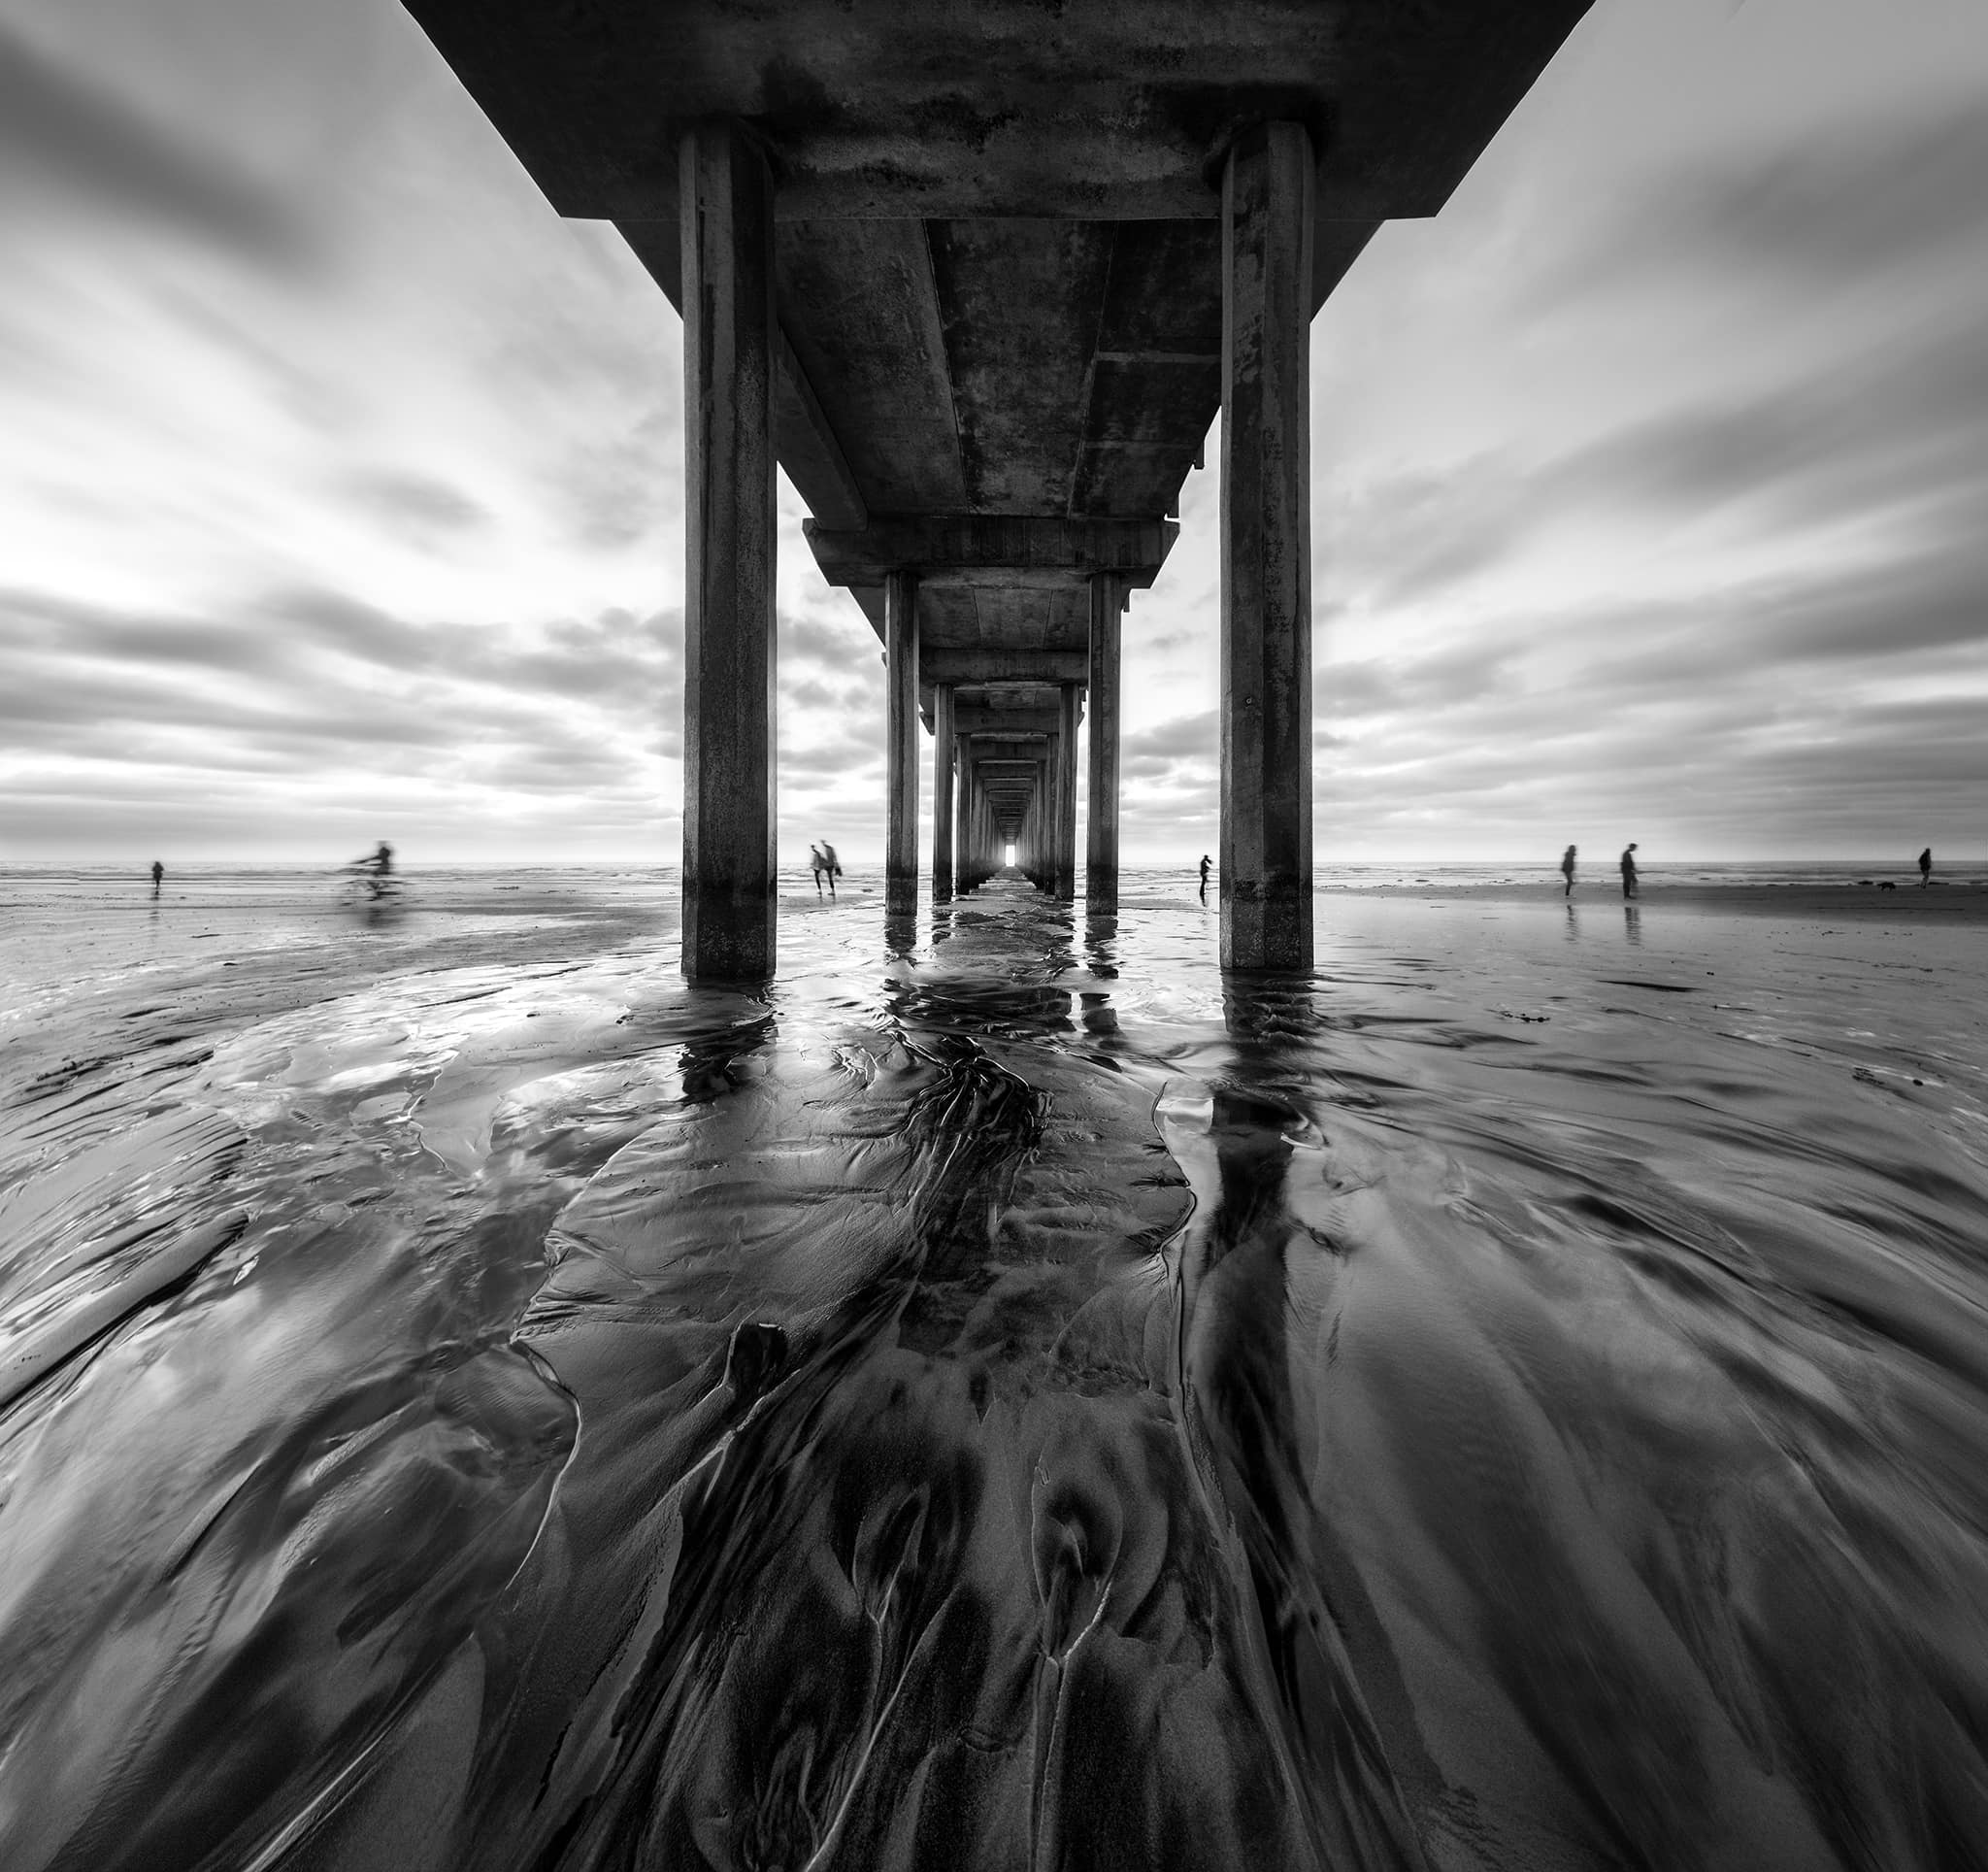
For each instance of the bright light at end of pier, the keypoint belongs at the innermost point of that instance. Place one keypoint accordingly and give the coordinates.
(1008, 855)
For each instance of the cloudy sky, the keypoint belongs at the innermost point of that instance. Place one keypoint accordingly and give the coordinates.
(341, 481)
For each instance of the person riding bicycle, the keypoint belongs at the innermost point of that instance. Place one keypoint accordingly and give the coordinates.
(376, 869)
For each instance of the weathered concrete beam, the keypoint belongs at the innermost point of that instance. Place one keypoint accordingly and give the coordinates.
(961, 667)
(1114, 116)
(807, 444)
(809, 449)
(729, 817)
(1266, 532)
(990, 548)
(970, 719)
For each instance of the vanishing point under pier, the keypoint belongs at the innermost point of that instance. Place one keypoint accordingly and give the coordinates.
(978, 277)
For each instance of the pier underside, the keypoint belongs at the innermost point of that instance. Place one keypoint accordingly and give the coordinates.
(979, 278)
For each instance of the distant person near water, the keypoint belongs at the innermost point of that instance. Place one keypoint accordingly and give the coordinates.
(822, 863)
(1925, 867)
(1629, 871)
(1206, 865)
(1567, 870)
(158, 875)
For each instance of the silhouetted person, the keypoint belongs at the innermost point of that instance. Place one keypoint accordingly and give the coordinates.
(1567, 870)
(1629, 871)
(158, 875)
(821, 865)
(835, 866)
(1206, 865)
(1925, 867)
(376, 870)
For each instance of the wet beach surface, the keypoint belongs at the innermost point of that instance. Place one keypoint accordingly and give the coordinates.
(1002, 1396)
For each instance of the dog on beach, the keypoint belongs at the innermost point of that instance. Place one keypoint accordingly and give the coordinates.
(1887, 885)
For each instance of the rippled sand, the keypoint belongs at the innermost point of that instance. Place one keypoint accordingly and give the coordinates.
(1003, 1397)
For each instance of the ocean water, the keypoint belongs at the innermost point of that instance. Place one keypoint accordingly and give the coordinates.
(1001, 1396)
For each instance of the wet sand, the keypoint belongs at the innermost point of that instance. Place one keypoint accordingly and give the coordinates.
(1005, 1396)
(1904, 907)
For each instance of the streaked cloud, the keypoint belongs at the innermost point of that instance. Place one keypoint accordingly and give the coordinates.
(343, 487)
(80, 140)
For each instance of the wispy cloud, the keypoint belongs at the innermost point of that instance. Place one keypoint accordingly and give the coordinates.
(86, 141)
(343, 490)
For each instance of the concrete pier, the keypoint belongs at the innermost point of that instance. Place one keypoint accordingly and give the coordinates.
(1101, 792)
(1266, 529)
(1017, 273)
(942, 756)
(729, 328)
(1066, 791)
(901, 762)
(962, 811)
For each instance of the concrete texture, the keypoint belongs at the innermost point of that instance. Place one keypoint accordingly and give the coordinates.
(728, 600)
(1101, 792)
(944, 748)
(900, 763)
(1066, 791)
(1266, 526)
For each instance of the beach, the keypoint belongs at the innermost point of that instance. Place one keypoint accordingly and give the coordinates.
(1001, 1394)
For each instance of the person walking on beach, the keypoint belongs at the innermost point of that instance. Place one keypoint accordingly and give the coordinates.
(823, 866)
(1206, 864)
(158, 875)
(1925, 867)
(832, 865)
(1567, 870)
(1629, 870)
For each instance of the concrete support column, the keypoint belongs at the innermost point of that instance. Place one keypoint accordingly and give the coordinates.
(942, 739)
(1043, 876)
(1101, 807)
(962, 798)
(979, 832)
(729, 640)
(969, 817)
(901, 760)
(1052, 817)
(1266, 525)
(1066, 791)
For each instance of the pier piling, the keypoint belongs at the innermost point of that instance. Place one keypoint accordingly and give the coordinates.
(729, 826)
(1266, 529)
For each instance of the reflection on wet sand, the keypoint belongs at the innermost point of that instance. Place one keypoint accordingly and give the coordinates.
(1014, 1402)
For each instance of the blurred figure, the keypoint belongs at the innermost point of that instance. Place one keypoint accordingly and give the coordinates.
(1925, 867)
(823, 862)
(1567, 870)
(376, 870)
(1629, 871)
(1206, 865)
(158, 875)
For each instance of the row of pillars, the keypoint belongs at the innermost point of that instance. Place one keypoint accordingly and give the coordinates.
(730, 337)
(969, 837)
